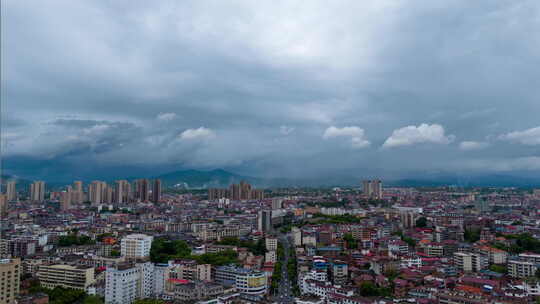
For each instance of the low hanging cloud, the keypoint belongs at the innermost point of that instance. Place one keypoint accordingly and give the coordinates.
(330, 72)
(356, 134)
(423, 133)
(472, 145)
(200, 133)
(529, 137)
(166, 116)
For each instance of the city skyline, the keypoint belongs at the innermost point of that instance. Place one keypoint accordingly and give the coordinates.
(308, 152)
(388, 90)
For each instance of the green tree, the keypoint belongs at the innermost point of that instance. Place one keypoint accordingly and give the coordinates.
(368, 289)
(471, 235)
(497, 268)
(163, 250)
(421, 222)
(217, 259)
(93, 300)
(74, 239)
(350, 241)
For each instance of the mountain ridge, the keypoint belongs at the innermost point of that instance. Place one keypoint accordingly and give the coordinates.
(220, 178)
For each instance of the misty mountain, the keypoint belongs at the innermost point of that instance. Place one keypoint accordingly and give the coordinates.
(203, 179)
(196, 179)
(484, 180)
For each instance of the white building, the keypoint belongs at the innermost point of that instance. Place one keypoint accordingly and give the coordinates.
(532, 287)
(121, 285)
(333, 211)
(297, 236)
(251, 282)
(307, 278)
(146, 280)
(126, 283)
(521, 268)
(271, 243)
(136, 245)
(277, 203)
(270, 256)
(160, 271)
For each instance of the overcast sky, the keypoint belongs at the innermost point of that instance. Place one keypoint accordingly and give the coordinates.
(271, 88)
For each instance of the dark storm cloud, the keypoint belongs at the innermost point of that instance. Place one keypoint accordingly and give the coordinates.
(282, 88)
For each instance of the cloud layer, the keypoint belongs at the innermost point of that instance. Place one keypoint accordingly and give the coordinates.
(278, 89)
(355, 134)
(423, 133)
(530, 137)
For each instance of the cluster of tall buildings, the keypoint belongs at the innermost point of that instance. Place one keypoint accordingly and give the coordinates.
(143, 190)
(237, 192)
(37, 191)
(98, 192)
(373, 189)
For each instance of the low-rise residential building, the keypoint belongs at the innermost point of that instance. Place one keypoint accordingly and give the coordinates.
(66, 276)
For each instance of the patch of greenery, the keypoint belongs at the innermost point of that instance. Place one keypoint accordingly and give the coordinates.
(351, 243)
(74, 239)
(421, 222)
(338, 219)
(369, 289)
(61, 295)
(497, 268)
(257, 248)
(217, 259)
(163, 250)
(410, 241)
(471, 235)
(523, 242)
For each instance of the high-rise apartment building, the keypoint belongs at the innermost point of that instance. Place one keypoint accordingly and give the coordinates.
(408, 219)
(136, 246)
(156, 191)
(96, 191)
(217, 193)
(11, 190)
(66, 199)
(10, 275)
(37, 191)
(108, 194)
(3, 205)
(142, 190)
(245, 191)
(237, 192)
(78, 186)
(77, 192)
(373, 189)
(234, 192)
(121, 191)
(277, 203)
(265, 220)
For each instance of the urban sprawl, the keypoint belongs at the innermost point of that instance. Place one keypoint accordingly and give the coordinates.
(146, 243)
